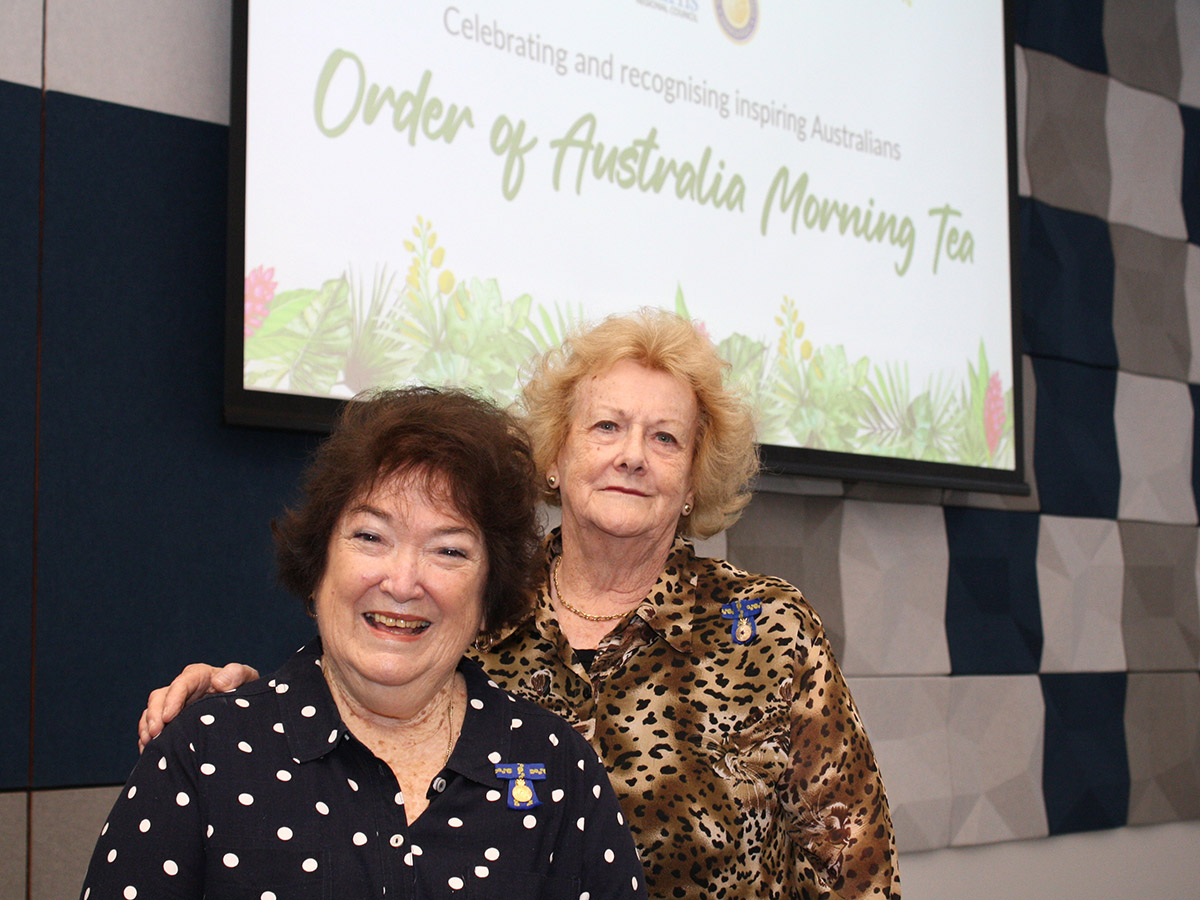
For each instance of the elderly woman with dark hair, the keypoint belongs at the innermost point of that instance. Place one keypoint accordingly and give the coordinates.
(377, 761)
(711, 694)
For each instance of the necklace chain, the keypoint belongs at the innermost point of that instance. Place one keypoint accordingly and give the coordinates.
(570, 608)
(450, 724)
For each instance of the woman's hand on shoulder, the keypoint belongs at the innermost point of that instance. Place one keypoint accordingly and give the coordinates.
(195, 681)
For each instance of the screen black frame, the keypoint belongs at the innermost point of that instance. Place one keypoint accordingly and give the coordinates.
(317, 414)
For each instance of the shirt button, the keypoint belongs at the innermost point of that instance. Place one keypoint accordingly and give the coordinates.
(439, 784)
(396, 840)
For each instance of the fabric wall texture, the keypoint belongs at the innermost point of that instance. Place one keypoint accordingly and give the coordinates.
(1025, 666)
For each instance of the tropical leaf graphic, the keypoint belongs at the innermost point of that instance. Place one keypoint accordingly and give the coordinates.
(433, 327)
(302, 343)
(377, 349)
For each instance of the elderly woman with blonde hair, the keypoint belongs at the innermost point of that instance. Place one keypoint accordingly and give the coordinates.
(711, 694)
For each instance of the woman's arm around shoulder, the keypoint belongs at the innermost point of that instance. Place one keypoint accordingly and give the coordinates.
(195, 681)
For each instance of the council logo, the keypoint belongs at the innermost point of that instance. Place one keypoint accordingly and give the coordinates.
(737, 18)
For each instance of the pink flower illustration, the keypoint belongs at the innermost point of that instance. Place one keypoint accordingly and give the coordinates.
(994, 416)
(260, 291)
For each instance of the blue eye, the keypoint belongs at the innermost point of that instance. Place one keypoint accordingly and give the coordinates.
(606, 426)
(665, 438)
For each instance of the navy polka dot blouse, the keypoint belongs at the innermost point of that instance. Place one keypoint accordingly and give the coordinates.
(263, 793)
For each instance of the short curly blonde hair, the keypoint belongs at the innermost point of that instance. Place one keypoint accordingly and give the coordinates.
(726, 456)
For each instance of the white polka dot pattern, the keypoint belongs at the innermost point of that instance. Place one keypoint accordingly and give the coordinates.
(233, 775)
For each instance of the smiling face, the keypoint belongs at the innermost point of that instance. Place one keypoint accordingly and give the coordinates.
(625, 467)
(402, 594)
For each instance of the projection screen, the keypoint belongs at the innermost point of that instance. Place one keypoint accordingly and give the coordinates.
(436, 192)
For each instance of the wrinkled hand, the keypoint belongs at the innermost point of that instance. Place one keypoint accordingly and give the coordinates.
(195, 681)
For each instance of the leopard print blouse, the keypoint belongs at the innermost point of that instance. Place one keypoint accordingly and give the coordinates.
(728, 732)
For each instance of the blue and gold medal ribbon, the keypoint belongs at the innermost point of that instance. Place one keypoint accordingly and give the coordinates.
(521, 794)
(743, 612)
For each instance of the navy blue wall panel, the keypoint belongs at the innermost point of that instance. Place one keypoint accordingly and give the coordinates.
(1085, 767)
(993, 612)
(1067, 275)
(1071, 29)
(1075, 439)
(20, 117)
(154, 547)
(1190, 183)
(1194, 391)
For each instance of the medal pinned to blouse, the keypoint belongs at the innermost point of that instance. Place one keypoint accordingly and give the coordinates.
(743, 612)
(521, 794)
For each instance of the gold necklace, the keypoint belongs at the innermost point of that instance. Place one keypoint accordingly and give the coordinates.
(563, 600)
(449, 727)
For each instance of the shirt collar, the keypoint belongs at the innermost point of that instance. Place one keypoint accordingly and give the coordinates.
(671, 603)
(668, 608)
(314, 727)
(486, 737)
(309, 716)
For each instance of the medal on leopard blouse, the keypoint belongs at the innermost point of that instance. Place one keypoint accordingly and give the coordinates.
(743, 612)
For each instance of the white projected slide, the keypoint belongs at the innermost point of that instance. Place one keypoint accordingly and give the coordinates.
(437, 191)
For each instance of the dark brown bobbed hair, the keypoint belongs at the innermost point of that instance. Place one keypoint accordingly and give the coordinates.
(460, 448)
